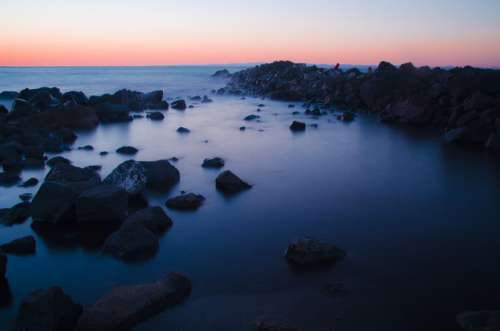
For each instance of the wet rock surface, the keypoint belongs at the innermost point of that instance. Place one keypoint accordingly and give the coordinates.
(103, 203)
(188, 201)
(228, 182)
(160, 175)
(49, 309)
(130, 176)
(125, 306)
(216, 162)
(16, 214)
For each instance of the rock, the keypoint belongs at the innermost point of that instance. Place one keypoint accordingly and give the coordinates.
(160, 175)
(493, 142)
(224, 73)
(21, 246)
(155, 116)
(3, 266)
(479, 320)
(153, 218)
(16, 214)
(196, 98)
(125, 306)
(103, 204)
(127, 150)
(215, 162)
(455, 134)
(179, 105)
(86, 148)
(183, 130)
(243, 128)
(54, 203)
(251, 118)
(272, 326)
(206, 99)
(228, 182)
(298, 126)
(75, 97)
(49, 309)
(9, 95)
(9, 178)
(189, 201)
(310, 251)
(58, 160)
(26, 197)
(130, 176)
(103, 153)
(133, 241)
(78, 179)
(30, 182)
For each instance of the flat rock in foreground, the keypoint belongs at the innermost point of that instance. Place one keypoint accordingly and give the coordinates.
(309, 251)
(479, 320)
(125, 306)
(49, 309)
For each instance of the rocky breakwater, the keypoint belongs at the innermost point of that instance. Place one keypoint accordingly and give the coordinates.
(464, 103)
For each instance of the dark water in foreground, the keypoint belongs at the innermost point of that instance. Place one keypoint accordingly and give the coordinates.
(419, 219)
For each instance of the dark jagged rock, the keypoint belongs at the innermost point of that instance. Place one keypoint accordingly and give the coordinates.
(310, 251)
(76, 178)
(54, 203)
(127, 150)
(189, 201)
(130, 176)
(224, 73)
(76, 98)
(179, 105)
(3, 266)
(298, 126)
(49, 309)
(21, 246)
(153, 218)
(183, 130)
(156, 116)
(160, 175)
(16, 214)
(479, 320)
(215, 162)
(228, 182)
(102, 204)
(125, 306)
(57, 160)
(131, 242)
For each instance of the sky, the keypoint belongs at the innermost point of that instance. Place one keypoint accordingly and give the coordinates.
(161, 32)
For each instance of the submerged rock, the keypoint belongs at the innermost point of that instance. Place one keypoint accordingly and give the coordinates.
(156, 116)
(125, 306)
(479, 320)
(49, 309)
(127, 150)
(22, 246)
(183, 130)
(310, 251)
(153, 218)
(102, 204)
(228, 182)
(16, 214)
(215, 162)
(130, 176)
(298, 126)
(189, 201)
(251, 118)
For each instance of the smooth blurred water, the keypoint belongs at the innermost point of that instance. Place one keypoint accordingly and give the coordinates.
(418, 218)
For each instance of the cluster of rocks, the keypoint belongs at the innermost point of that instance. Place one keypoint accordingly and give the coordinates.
(120, 309)
(463, 102)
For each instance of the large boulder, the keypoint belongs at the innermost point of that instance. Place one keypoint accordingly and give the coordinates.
(22, 246)
(130, 176)
(102, 204)
(133, 241)
(189, 201)
(479, 320)
(127, 150)
(79, 179)
(160, 175)
(54, 203)
(411, 111)
(49, 309)
(228, 182)
(153, 218)
(179, 105)
(309, 251)
(297, 126)
(125, 306)
(75, 97)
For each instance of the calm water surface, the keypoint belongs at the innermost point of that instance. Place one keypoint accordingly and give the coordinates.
(419, 219)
